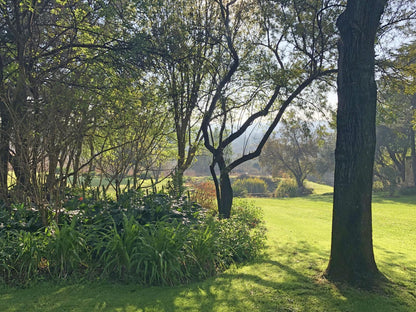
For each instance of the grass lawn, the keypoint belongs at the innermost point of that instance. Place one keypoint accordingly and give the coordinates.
(287, 278)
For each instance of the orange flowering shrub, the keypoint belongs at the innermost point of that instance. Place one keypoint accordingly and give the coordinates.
(204, 194)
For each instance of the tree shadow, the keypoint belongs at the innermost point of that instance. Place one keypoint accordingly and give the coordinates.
(402, 199)
(264, 285)
(289, 280)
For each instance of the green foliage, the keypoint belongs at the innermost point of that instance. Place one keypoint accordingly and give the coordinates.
(20, 217)
(378, 186)
(68, 251)
(244, 232)
(239, 190)
(286, 278)
(287, 188)
(252, 186)
(22, 255)
(162, 256)
(147, 239)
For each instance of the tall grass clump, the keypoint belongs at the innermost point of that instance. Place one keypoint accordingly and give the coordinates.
(67, 249)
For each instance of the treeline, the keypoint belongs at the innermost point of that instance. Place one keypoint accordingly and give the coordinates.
(121, 88)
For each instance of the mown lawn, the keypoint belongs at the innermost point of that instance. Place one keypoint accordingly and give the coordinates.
(287, 278)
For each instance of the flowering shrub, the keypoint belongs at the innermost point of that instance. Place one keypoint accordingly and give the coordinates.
(204, 194)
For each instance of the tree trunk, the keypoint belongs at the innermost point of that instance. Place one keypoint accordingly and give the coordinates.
(352, 258)
(77, 160)
(412, 142)
(4, 153)
(4, 140)
(223, 188)
(413, 154)
(51, 181)
(226, 199)
(300, 184)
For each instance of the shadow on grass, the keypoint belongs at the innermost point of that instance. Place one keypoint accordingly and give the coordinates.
(326, 198)
(402, 199)
(377, 198)
(289, 281)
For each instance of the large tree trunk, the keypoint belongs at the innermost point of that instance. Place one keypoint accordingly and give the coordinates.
(413, 155)
(352, 258)
(413, 143)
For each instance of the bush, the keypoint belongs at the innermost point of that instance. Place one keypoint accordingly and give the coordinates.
(378, 186)
(239, 189)
(138, 238)
(204, 194)
(271, 184)
(253, 186)
(287, 188)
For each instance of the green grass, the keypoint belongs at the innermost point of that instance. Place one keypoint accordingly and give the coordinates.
(287, 278)
(319, 189)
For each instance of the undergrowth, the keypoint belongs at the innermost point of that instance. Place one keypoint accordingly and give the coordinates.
(146, 239)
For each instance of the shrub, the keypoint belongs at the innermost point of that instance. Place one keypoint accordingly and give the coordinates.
(254, 186)
(378, 186)
(117, 248)
(271, 183)
(204, 194)
(287, 188)
(161, 260)
(151, 240)
(20, 217)
(239, 189)
(242, 236)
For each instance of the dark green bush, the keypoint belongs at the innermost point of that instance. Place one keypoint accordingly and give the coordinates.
(151, 240)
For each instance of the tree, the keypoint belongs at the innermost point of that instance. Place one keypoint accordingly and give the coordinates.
(295, 151)
(56, 89)
(352, 257)
(259, 78)
(395, 116)
(184, 61)
(132, 141)
(40, 44)
(395, 135)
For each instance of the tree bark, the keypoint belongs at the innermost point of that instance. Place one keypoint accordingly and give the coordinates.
(413, 143)
(413, 154)
(4, 139)
(4, 152)
(223, 188)
(352, 257)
